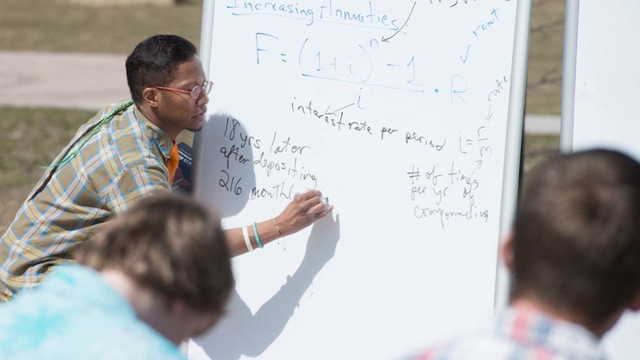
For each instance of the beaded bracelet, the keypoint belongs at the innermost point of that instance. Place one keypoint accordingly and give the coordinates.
(277, 227)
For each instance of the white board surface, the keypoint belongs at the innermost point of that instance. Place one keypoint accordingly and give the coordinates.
(602, 110)
(607, 72)
(398, 111)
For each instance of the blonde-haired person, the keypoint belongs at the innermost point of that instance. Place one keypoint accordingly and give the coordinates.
(154, 277)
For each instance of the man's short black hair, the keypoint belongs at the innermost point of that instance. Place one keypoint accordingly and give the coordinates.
(154, 62)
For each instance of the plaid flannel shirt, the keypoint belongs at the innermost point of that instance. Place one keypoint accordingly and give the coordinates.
(124, 160)
(521, 335)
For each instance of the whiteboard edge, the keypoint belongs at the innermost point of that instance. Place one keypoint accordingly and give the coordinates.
(569, 63)
(513, 149)
(206, 35)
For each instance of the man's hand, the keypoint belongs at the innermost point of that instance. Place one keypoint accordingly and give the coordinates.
(303, 211)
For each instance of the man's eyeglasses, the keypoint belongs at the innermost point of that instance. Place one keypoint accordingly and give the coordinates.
(195, 92)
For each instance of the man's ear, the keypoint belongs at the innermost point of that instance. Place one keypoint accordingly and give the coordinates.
(506, 251)
(150, 96)
(634, 304)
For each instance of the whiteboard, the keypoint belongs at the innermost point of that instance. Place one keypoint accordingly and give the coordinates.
(408, 116)
(599, 104)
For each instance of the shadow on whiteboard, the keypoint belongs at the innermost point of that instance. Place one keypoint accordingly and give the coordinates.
(241, 332)
(228, 164)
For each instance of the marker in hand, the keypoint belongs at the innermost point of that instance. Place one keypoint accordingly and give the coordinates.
(323, 199)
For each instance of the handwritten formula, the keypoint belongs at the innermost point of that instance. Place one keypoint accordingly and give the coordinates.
(388, 78)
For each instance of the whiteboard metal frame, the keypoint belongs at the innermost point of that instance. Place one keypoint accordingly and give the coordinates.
(206, 35)
(513, 149)
(515, 126)
(567, 109)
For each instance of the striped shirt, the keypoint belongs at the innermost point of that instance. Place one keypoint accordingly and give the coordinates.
(521, 335)
(124, 160)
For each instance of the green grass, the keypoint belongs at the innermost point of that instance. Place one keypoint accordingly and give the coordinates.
(545, 57)
(538, 148)
(30, 139)
(57, 25)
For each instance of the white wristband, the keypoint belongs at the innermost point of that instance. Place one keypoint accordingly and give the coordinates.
(245, 234)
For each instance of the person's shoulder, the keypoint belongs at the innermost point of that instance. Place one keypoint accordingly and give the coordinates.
(75, 315)
(133, 144)
(130, 338)
(139, 342)
(113, 111)
(470, 347)
(86, 341)
(95, 119)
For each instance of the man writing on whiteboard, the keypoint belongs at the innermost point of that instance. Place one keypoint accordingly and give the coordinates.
(575, 258)
(125, 152)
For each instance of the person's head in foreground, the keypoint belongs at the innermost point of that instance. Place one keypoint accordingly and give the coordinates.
(169, 257)
(574, 255)
(575, 249)
(165, 262)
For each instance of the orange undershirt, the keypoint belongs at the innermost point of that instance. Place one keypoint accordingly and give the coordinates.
(172, 163)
